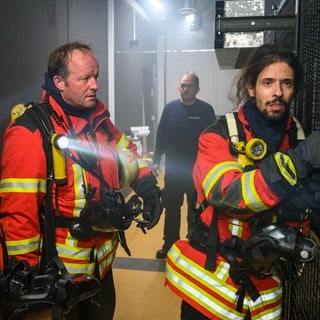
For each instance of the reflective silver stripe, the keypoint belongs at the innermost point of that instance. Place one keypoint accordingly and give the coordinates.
(236, 227)
(22, 185)
(79, 253)
(78, 182)
(19, 247)
(74, 253)
(86, 268)
(107, 247)
(202, 275)
(195, 292)
(104, 264)
(265, 299)
(249, 193)
(216, 173)
(202, 282)
(107, 252)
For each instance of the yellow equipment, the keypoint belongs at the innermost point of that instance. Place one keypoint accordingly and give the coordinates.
(253, 150)
(127, 167)
(18, 110)
(59, 142)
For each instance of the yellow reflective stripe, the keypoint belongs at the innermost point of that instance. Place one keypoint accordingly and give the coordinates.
(79, 180)
(205, 277)
(123, 142)
(85, 268)
(79, 203)
(142, 163)
(105, 254)
(18, 247)
(286, 167)
(223, 272)
(215, 174)
(104, 264)
(196, 293)
(23, 185)
(235, 227)
(179, 277)
(265, 301)
(107, 248)
(70, 252)
(249, 192)
(79, 253)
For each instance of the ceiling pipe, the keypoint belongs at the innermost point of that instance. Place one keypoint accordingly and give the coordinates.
(137, 8)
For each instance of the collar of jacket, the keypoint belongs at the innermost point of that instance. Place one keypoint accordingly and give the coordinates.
(99, 114)
(272, 132)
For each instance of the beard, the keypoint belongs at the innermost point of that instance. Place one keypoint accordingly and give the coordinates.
(276, 116)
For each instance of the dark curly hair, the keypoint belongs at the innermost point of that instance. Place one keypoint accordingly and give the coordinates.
(259, 59)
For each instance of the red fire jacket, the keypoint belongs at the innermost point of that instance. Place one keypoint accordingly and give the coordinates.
(238, 195)
(23, 187)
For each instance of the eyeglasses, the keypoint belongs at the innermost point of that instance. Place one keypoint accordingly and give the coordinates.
(184, 86)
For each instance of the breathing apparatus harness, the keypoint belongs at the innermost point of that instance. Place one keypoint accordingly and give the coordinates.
(112, 212)
(270, 247)
(109, 214)
(21, 287)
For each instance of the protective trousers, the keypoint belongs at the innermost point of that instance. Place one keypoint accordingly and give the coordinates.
(175, 187)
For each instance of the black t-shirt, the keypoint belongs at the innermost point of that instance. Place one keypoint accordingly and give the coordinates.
(179, 129)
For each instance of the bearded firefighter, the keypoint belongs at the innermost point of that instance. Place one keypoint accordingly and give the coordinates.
(253, 177)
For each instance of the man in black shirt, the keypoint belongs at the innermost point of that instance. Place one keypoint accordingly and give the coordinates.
(181, 123)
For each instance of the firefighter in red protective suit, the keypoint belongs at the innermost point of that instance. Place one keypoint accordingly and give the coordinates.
(92, 170)
(256, 189)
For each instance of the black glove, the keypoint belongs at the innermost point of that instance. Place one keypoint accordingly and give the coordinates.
(296, 207)
(148, 189)
(314, 185)
(286, 171)
(300, 204)
(308, 151)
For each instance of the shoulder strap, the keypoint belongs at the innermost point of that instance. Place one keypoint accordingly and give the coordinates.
(236, 132)
(232, 127)
(300, 131)
(235, 128)
(62, 289)
(41, 117)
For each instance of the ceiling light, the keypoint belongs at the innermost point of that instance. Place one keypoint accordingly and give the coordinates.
(187, 7)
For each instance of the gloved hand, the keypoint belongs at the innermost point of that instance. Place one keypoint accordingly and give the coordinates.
(284, 171)
(148, 189)
(308, 151)
(314, 185)
(298, 206)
